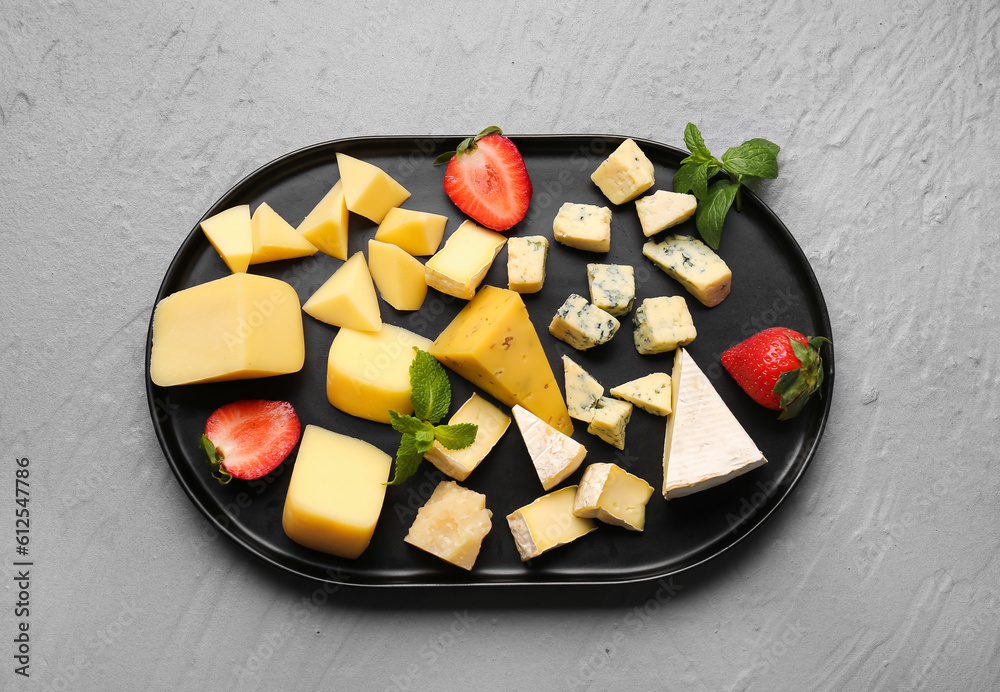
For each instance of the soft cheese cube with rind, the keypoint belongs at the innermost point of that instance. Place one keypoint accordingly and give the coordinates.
(526, 263)
(229, 233)
(688, 260)
(609, 421)
(554, 455)
(452, 524)
(492, 424)
(612, 287)
(651, 393)
(582, 391)
(583, 226)
(417, 232)
(662, 324)
(336, 493)
(663, 209)
(458, 268)
(624, 175)
(368, 190)
(326, 225)
(398, 275)
(347, 299)
(611, 494)
(581, 324)
(547, 523)
(237, 327)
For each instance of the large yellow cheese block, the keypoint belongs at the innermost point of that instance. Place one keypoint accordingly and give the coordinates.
(547, 523)
(459, 267)
(326, 225)
(493, 344)
(230, 235)
(417, 232)
(347, 299)
(491, 424)
(233, 328)
(368, 373)
(336, 492)
(452, 525)
(398, 275)
(274, 239)
(369, 190)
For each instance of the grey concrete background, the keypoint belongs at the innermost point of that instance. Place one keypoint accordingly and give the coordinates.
(120, 124)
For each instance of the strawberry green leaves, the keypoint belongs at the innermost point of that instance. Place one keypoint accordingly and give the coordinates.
(794, 387)
(467, 144)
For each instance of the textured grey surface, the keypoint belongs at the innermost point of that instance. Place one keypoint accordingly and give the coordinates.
(119, 126)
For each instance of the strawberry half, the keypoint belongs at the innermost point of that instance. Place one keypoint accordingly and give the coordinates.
(487, 180)
(248, 439)
(778, 367)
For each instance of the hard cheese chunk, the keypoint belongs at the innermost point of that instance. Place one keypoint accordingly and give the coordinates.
(368, 373)
(582, 325)
(492, 422)
(229, 233)
(326, 225)
(399, 277)
(651, 393)
(662, 324)
(583, 226)
(613, 495)
(417, 232)
(369, 191)
(612, 287)
(694, 265)
(664, 209)
(526, 263)
(609, 421)
(704, 445)
(459, 267)
(347, 299)
(336, 492)
(547, 523)
(452, 524)
(234, 328)
(274, 239)
(582, 391)
(493, 344)
(624, 175)
(554, 455)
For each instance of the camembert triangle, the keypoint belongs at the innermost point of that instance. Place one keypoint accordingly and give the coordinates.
(554, 455)
(704, 445)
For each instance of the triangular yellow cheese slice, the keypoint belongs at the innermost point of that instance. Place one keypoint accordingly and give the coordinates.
(347, 299)
(369, 190)
(229, 233)
(326, 225)
(274, 239)
(398, 275)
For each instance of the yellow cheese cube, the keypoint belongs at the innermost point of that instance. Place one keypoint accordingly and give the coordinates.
(662, 324)
(234, 328)
(452, 525)
(368, 373)
(459, 267)
(526, 263)
(399, 277)
(274, 239)
(492, 422)
(493, 344)
(347, 299)
(369, 190)
(547, 523)
(583, 226)
(326, 225)
(336, 492)
(229, 233)
(417, 232)
(609, 421)
(613, 495)
(624, 175)
(663, 209)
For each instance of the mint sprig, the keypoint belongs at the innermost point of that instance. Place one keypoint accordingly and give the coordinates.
(430, 394)
(756, 158)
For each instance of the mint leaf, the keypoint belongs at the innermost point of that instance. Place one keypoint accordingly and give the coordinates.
(692, 177)
(750, 158)
(406, 424)
(424, 439)
(457, 436)
(430, 391)
(770, 146)
(696, 144)
(712, 211)
(407, 459)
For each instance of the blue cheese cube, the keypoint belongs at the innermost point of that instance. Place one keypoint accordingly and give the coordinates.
(609, 421)
(582, 391)
(526, 263)
(612, 287)
(582, 325)
(662, 209)
(662, 324)
(624, 175)
(694, 265)
(583, 226)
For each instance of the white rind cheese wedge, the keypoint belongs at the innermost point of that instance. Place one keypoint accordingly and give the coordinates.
(581, 324)
(492, 422)
(554, 455)
(613, 495)
(526, 263)
(612, 287)
(662, 210)
(651, 393)
(609, 421)
(688, 260)
(452, 525)
(547, 523)
(582, 391)
(704, 445)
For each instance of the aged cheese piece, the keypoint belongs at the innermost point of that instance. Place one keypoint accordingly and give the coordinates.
(452, 524)
(368, 189)
(526, 263)
(493, 344)
(651, 393)
(233, 328)
(612, 287)
(662, 324)
(624, 175)
(274, 239)
(583, 226)
(230, 235)
(582, 391)
(582, 325)
(547, 523)
(368, 373)
(554, 455)
(704, 445)
(347, 299)
(336, 492)
(492, 422)
(609, 421)
(398, 275)
(459, 267)
(694, 265)
(326, 225)
(613, 495)
(664, 209)
(417, 232)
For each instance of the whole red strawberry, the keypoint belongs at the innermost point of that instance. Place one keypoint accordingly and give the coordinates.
(248, 439)
(487, 180)
(778, 367)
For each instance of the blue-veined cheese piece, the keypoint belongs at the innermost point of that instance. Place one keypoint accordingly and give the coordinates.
(613, 495)
(664, 209)
(582, 391)
(553, 454)
(651, 393)
(609, 421)
(662, 324)
(526, 263)
(612, 287)
(583, 226)
(582, 325)
(688, 260)
(624, 175)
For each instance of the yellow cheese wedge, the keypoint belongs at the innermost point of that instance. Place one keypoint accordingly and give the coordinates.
(492, 424)
(547, 523)
(613, 495)
(399, 277)
(452, 525)
(230, 235)
(369, 190)
(347, 299)
(274, 239)
(493, 344)
(326, 225)
(417, 232)
(459, 267)
(368, 373)
(234, 328)
(336, 492)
